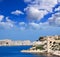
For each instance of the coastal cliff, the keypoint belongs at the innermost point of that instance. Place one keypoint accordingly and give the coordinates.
(46, 44)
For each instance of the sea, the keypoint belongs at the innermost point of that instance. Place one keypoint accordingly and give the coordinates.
(14, 51)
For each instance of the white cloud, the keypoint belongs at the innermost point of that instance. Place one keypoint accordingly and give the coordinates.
(37, 9)
(31, 25)
(9, 20)
(21, 23)
(8, 24)
(1, 17)
(34, 13)
(57, 9)
(55, 19)
(38, 26)
(44, 24)
(58, 1)
(17, 12)
(43, 4)
(34, 25)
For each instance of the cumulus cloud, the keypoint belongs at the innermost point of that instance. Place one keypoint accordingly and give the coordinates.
(9, 20)
(22, 25)
(57, 9)
(38, 25)
(52, 21)
(8, 24)
(31, 25)
(34, 13)
(58, 1)
(17, 12)
(37, 9)
(55, 19)
(43, 4)
(34, 25)
(1, 17)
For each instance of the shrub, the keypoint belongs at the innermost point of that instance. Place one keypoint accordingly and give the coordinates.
(40, 47)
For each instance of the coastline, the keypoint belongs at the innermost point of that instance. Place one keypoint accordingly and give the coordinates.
(9, 42)
(54, 53)
(32, 51)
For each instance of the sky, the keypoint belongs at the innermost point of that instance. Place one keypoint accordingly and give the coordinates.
(29, 19)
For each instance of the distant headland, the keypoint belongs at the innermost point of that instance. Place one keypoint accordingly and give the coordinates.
(8, 42)
(47, 44)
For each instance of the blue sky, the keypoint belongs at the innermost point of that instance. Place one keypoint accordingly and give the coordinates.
(29, 19)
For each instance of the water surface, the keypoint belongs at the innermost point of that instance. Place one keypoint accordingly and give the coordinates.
(14, 51)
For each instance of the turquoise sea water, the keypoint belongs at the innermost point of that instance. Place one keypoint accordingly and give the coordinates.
(14, 51)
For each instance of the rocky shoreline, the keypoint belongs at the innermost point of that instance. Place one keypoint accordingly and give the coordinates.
(47, 44)
(43, 52)
(32, 51)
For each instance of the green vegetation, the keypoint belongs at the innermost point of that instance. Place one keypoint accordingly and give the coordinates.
(40, 38)
(40, 47)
